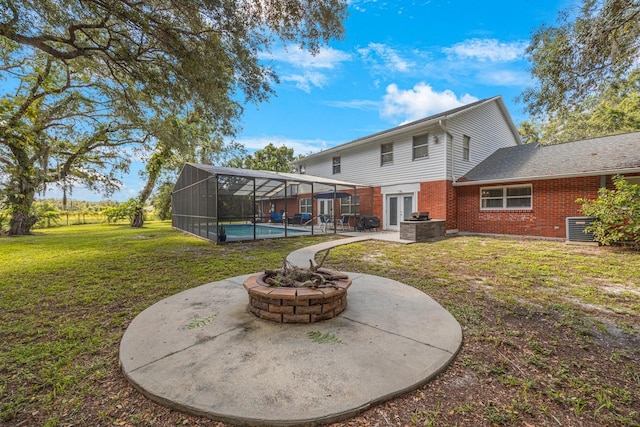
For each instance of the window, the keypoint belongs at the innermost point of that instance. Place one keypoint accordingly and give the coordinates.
(512, 197)
(632, 179)
(303, 169)
(386, 154)
(306, 206)
(466, 147)
(350, 205)
(421, 146)
(336, 165)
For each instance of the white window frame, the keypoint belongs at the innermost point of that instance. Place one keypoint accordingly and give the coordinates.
(336, 163)
(505, 198)
(306, 205)
(386, 157)
(350, 205)
(418, 143)
(466, 147)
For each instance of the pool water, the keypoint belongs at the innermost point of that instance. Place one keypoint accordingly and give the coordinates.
(246, 230)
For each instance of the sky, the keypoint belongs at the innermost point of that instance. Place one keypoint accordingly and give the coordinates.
(399, 61)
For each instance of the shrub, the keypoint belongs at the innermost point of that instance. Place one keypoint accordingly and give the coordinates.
(616, 213)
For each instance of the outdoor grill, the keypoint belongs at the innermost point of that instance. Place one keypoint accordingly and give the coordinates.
(367, 222)
(419, 216)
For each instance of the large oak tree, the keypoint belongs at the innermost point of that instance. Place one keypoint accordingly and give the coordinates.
(586, 72)
(130, 65)
(590, 50)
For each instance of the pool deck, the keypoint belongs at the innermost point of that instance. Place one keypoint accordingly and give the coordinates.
(202, 352)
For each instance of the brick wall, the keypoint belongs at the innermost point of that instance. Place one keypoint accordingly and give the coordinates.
(436, 197)
(369, 198)
(439, 199)
(553, 201)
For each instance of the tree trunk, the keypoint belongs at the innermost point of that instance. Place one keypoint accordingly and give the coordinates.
(154, 167)
(21, 222)
(138, 217)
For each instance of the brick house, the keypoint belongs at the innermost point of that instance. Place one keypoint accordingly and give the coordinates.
(531, 189)
(469, 167)
(413, 167)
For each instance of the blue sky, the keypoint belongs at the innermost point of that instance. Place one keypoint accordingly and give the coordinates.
(399, 61)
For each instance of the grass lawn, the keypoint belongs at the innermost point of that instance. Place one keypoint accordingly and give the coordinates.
(551, 332)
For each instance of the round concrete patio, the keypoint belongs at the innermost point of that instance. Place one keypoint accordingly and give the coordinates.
(202, 352)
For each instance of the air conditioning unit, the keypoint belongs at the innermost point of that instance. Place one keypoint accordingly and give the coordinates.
(576, 226)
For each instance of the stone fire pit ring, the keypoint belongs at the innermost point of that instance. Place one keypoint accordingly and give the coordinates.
(296, 305)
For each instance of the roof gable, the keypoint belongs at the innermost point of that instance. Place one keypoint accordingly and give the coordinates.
(425, 121)
(597, 156)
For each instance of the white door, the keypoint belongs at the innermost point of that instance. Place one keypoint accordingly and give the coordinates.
(325, 207)
(399, 208)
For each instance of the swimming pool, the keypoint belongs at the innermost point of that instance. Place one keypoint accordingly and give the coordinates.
(240, 231)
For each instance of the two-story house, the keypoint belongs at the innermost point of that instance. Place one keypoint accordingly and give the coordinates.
(466, 166)
(412, 167)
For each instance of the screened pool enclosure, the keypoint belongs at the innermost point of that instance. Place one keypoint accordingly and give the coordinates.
(227, 204)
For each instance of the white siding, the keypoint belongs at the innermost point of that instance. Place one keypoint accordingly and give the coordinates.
(362, 164)
(485, 125)
(488, 129)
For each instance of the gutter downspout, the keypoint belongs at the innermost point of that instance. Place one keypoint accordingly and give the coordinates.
(453, 174)
(446, 135)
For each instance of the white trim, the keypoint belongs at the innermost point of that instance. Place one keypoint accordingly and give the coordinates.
(400, 207)
(411, 187)
(504, 198)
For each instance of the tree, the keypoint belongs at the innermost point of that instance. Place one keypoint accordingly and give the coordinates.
(584, 55)
(616, 213)
(529, 132)
(616, 110)
(172, 135)
(270, 158)
(125, 210)
(52, 132)
(46, 212)
(143, 61)
(161, 201)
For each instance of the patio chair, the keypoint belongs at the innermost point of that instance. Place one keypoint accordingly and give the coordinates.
(324, 221)
(342, 222)
(276, 217)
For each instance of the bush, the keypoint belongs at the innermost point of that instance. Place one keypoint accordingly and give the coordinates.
(616, 213)
(125, 210)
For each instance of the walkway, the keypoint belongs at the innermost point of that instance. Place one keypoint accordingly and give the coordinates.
(302, 256)
(202, 352)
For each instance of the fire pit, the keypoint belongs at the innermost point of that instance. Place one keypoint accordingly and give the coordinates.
(304, 303)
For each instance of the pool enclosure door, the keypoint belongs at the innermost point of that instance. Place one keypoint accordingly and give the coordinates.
(399, 208)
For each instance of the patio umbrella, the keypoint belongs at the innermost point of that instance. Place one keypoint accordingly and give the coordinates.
(332, 195)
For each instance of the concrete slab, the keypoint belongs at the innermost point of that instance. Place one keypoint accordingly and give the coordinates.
(202, 352)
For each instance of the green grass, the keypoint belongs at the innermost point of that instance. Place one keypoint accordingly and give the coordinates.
(551, 332)
(69, 293)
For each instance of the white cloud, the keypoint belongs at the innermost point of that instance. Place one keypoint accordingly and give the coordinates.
(490, 50)
(300, 146)
(383, 57)
(505, 78)
(355, 104)
(304, 69)
(327, 58)
(419, 102)
(306, 80)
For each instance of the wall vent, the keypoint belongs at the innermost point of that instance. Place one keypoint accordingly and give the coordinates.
(575, 229)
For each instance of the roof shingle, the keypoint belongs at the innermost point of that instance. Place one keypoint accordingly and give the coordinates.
(609, 154)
